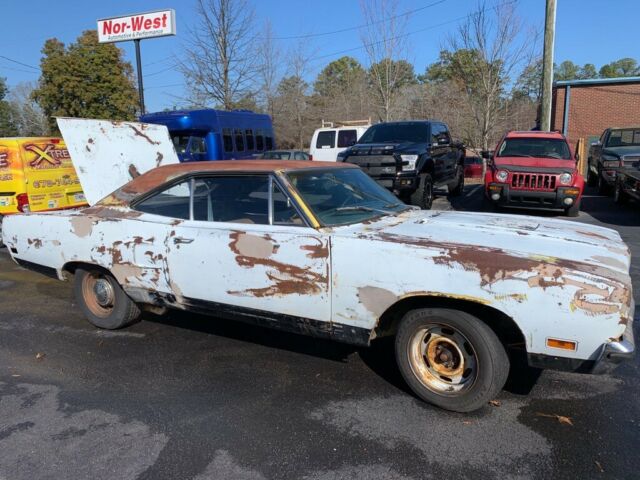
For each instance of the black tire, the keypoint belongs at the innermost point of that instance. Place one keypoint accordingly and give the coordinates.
(423, 196)
(426, 335)
(618, 194)
(573, 210)
(603, 186)
(457, 189)
(1, 244)
(111, 308)
(592, 179)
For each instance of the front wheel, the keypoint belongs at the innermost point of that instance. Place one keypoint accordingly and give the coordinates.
(450, 358)
(603, 186)
(618, 194)
(423, 196)
(103, 301)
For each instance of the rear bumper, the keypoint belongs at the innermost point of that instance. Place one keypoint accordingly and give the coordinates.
(608, 358)
(532, 198)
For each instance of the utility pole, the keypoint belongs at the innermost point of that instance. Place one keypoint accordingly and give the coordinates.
(547, 64)
(139, 69)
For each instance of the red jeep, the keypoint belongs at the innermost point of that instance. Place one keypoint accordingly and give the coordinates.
(534, 170)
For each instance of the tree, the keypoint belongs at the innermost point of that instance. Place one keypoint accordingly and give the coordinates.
(28, 117)
(87, 79)
(587, 71)
(567, 70)
(625, 67)
(491, 53)
(7, 124)
(383, 41)
(219, 60)
(268, 70)
(338, 76)
(529, 83)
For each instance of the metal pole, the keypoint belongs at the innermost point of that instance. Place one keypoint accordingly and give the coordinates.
(139, 68)
(547, 66)
(567, 103)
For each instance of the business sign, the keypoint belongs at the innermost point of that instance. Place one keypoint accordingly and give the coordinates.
(136, 27)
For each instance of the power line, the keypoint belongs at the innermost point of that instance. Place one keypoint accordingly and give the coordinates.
(19, 63)
(172, 67)
(3, 67)
(165, 86)
(431, 27)
(408, 12)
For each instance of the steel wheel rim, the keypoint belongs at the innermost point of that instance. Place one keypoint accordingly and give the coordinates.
(443, 359)
(98, 294)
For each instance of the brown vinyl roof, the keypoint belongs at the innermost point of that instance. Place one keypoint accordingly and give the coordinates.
(158, 176)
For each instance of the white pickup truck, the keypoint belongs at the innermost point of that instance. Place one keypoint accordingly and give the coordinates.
(323, 250)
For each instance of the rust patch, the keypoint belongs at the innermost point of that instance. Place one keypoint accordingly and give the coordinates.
(592, 235)
(124, 271)
(36, 242)
(319, 250)
(285, 279)
(81, 225)
(139, 133)
(105, 212)
(133, 171)
(376, 299)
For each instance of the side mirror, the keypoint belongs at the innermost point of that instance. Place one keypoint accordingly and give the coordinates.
(577, 157)
(596, 144)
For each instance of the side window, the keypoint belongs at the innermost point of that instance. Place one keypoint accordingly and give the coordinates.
(326, 139)
(172, 202)
(239, 140)
(299, 156)
(248, 134)
(268, 140)
(259, 140)
(227, 140)
(197, 145)
(346, 138)
(284, 213)
(237, 199)
(180, 143)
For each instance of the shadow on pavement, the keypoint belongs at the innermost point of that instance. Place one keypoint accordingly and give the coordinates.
(605, 210)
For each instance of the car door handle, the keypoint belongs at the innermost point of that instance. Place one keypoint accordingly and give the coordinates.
(182, 240)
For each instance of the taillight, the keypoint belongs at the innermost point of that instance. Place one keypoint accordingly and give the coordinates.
(310, 157)
(23, 202)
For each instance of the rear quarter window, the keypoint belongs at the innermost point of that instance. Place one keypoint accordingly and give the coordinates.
(326, 139)
(346, 138)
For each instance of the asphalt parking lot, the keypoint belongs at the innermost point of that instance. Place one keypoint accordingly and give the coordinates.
(191, 397)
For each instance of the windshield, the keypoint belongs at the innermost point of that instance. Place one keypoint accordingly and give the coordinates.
(535, 147)
(629, 137)
(341, 196)
(396, 133)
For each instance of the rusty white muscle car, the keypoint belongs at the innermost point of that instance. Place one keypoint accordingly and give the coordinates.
(323, 250)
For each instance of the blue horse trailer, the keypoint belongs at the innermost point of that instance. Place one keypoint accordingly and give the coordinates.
(215, 134)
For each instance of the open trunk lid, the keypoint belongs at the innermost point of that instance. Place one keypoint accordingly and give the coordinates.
(108, 154)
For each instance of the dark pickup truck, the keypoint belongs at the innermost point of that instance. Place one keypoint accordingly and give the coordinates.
(617, 148)
(410, 158)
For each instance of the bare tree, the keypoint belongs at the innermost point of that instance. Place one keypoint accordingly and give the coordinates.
(490, 38)
(219, 60)
(26, 113)
(383, 39)
(268, 69)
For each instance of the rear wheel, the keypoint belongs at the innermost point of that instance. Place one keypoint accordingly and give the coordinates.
(457, 189)
(450, 358)
(103, 301)
(423, 196)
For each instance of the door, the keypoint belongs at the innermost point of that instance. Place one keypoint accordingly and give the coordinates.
(440, 154)
(325, 146)
(247, 247)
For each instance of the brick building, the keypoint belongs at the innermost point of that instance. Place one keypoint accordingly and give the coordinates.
(584, 108)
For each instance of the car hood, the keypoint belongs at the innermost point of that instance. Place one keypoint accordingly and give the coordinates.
(386, 148)
(503, 238)
(621, 151)
(506, 162)
(108, 154)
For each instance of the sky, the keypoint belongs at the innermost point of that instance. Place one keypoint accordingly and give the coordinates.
(587, 31)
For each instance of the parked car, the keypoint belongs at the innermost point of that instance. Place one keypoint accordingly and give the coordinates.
(285, 155)
(534, 170)
(36, 174)
(327, 142)
(289, 245)
(617, 147)
(215, 134)
(410, 158)
(472, 164)
(627, 183)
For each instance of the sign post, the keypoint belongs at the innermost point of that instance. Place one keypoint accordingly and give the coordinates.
(159, 23)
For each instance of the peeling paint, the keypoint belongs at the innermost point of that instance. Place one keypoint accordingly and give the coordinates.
(376, 299)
